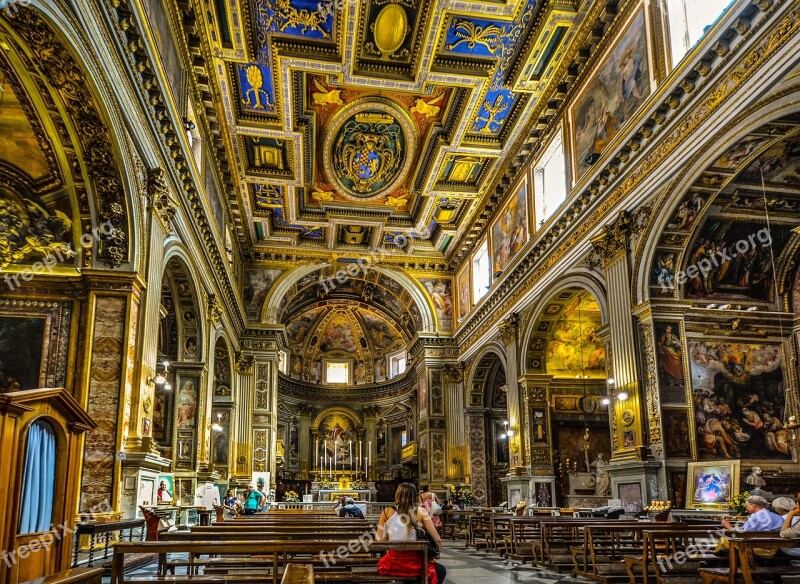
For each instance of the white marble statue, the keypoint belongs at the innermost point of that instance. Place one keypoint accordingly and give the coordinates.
(602, 482)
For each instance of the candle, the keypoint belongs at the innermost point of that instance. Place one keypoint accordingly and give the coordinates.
(326, 452)
(351, 454)
(334, 456)
(316, 451)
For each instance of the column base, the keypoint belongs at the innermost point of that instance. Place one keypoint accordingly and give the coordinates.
(635, 484)
(517, 488)
(140, 472)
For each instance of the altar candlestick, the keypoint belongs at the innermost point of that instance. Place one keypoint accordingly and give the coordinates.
(316, 451)
(335, 461)
(326, 453)
(351, 455)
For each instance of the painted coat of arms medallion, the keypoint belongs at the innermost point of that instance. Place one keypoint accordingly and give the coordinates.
(369, 148)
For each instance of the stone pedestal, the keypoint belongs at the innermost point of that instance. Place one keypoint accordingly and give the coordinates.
(517, 489)
(140, 472)
(542, 491)
(634, 483)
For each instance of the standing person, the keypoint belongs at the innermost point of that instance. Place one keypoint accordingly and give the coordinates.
(231, 503)
(427, 499)
(253, 500)
(400, 523)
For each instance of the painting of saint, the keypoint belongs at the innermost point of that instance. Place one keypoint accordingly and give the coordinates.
(190, 347)
(440, 291)
(187, 404)
(664, 271)
(574, 346)
(613, 94)
(298, 328)
(711, 485)
(423, 393)
(383, 334)
(21, 344)
(676, 433)
(257, 284)
(739, 152)
(669, 358)
(338, 335)
(738, 398)
(337, 432)
(777, 165)
(510, 230)
(221, 448)
(738, 260)
(380, 370)
(464, 291)
(296, 368)
(687, 211)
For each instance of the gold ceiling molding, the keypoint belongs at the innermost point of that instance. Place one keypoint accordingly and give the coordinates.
(515, 286)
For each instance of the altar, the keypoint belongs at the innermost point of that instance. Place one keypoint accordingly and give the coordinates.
(333, 494)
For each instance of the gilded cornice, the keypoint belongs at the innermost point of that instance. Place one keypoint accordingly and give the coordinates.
(158, 197)
(509, 328)
(130, 37)
(394, 389)
(610, 189)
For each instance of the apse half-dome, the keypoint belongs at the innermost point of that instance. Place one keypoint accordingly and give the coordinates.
(361, 336)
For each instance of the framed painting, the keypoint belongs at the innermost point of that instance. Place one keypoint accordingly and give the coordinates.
(677, 433)
(510, 230)
(464, 294)
(21, 348)
(710, 484)
(616, 89)
(166, 489)
(670, 362)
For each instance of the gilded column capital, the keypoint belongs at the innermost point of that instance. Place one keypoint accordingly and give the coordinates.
(615, 239)
(244, 363)
(508, 327)
(453, 373)
(158, 196)
(214, 309)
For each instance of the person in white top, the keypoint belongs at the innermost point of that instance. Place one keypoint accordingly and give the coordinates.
(400, 523)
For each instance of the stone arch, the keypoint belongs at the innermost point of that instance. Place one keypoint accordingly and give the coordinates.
(701, 186)
(560, 306)
(104, 179)
(182, 282)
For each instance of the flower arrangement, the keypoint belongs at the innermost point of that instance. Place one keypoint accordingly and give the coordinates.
(461, 495)
(739, 503)
(358, 485)
(291, 497)
(327, 485)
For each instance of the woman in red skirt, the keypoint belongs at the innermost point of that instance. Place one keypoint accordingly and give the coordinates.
(400, 523)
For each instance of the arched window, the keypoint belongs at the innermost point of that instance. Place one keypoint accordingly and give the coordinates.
(38, 479)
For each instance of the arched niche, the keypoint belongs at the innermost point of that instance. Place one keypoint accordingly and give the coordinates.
(564, 340)
(65, 186)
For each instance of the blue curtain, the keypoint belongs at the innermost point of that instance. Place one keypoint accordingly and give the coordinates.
(38, 479)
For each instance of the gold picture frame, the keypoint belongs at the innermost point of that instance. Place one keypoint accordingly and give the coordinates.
(709, 484)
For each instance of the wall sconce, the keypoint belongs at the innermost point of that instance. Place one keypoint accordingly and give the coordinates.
(216, 426)
(160, 377)
(622, 395)
(507, 431)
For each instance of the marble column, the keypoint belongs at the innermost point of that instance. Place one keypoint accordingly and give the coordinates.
(509, 334)
(476, 432)
(305, 446)
(454, 422)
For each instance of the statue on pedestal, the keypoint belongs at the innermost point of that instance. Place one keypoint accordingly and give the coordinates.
(602, 482)
(754, 479)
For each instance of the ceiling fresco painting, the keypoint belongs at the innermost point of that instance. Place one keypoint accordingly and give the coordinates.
(352, 124)
(733, 221)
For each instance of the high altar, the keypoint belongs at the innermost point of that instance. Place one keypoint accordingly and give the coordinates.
(327, 490)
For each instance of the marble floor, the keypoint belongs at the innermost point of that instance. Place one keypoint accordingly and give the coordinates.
(468, 566)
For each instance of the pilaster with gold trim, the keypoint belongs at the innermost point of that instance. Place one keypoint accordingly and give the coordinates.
(613, 245)
(509, 333)
(455, 422)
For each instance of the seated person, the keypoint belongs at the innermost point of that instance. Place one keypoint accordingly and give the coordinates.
(346, 507)
(790, 512)
(761, 519)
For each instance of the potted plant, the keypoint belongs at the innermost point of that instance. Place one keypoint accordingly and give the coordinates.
(291, 497)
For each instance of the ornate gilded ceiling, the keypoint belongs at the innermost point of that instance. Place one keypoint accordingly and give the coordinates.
(352, 125)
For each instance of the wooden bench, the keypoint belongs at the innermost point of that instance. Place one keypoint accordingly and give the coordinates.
(556, 536)
(266, 561)
(73, 576)
(674, 556)
(298, 574)
(742, 559)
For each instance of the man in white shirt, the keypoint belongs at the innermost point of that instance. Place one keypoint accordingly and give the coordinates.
(761, 518)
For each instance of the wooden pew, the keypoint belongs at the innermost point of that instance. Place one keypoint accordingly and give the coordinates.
(266, 561)
(298, 574)
(742, 560)
(674, 556)
(73, 576)
(499, 533)
(523, 531)
(556, 536)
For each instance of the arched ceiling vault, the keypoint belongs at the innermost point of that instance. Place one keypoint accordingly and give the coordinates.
(735, 229)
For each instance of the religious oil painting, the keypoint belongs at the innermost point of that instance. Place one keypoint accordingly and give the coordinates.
(510, 230)
(298, 328)
(186, 402)
(615, 91)
(778, 165)
(733, 260)
(440, 291)
(574, 347)
(677, 433)
(739, 400)
(338, 437)
(257, 284)
(711, 484)
(464, 291)
(21, 342)
(669, 357)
